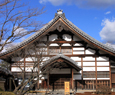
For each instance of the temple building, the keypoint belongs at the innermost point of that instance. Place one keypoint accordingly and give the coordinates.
(69, 54)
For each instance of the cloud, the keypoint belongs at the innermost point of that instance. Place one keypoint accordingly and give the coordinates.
(108, 31)
(108, 12)
(110, 45)
(55, 2)
(83, 3)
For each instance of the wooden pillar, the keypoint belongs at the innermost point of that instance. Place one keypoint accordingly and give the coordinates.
(39, 79)
(10, 84)
(110, 74)
(48, 80)
(72, 79)
(82, 70)
(96, 70)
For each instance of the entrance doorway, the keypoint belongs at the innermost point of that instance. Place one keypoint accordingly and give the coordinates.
(56, 81)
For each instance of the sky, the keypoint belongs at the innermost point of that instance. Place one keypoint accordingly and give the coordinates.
(95, 17)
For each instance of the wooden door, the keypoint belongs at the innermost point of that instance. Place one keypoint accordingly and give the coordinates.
(56, 81)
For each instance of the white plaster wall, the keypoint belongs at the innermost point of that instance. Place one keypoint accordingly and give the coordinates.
(67, 37)
(16, 69)
(45, 58)
(88, 68)
(31, 59)
(60, 71)
(88, 63)
(89, 59)
(77, 77)
(75, 38)
(103, 78)
(28, 69)
(76, 58)
(78, 63)
(102, 59)
(89, 51)
(52, 37)
(78, 44)
(102, 63)
(78, 48)
(78, 52)
(17, 59)
(102, 68)
(66, 44)
(54, 44)
(89, 78)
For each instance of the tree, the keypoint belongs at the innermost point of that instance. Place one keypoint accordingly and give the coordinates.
(36, 54)
(16, 21)
(5, 64)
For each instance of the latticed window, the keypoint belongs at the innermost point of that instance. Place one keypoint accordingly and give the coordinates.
(66, 51)
(102, 74)
(89, 74)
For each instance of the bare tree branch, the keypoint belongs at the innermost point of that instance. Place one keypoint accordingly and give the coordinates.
(17, 21)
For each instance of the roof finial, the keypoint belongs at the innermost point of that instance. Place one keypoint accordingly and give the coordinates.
(59, 11)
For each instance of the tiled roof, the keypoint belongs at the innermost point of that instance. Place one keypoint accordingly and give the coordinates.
(5, 71)
(63, 57)
(47, 26)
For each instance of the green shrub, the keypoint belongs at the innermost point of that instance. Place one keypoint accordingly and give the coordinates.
(6, 93)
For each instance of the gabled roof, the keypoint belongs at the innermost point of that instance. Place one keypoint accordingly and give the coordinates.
(71, 62)
(71, 26)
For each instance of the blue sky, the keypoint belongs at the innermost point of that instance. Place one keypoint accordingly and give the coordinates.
(95, 17)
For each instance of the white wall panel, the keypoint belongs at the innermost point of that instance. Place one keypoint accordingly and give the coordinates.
(88, 68)
(89, 51)
(31, 59)
(102, 68)
(78, 48)
(52, 37)
(103, 78)
(66, 44)
(16, 69)
(78, 63)
(76, 58)
(102, 59)
(77, 77)
(89, 78)
(89, 59)
(88, 63)
(45, 58)
(54, 44)
(78, 44)
(67, 37)
(102, 63)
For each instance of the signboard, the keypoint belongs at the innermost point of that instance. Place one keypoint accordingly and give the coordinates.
(67, 88)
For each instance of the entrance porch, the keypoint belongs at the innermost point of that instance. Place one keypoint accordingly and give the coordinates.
(58, 70)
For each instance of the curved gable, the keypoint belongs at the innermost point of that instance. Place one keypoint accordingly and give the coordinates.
(54, 59)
